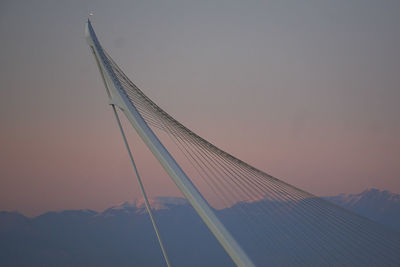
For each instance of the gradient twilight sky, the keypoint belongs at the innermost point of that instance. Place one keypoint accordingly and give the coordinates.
(305, 90)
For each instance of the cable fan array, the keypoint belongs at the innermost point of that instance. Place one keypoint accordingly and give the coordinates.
(275, 222)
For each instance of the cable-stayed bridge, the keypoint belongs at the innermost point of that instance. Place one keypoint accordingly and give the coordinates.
(271, 223)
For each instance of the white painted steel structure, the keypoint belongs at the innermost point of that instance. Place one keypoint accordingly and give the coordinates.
(142, 190)
(119, 98)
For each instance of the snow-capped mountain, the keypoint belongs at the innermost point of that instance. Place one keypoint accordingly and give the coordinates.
(378, 205)
(138, 205)
(380, 198)
(122, 235)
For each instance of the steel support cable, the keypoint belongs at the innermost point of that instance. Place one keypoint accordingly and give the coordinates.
(187, 147)
(218, 187)
(203, 172)
(300, 197)
(164, 114)
(275, 178)
(246, 218)
(180, 142)
(142, 190)
(335, 218)
(188, 155)
(166, 128)
(286, 234)
(175, 140)
(201, 175)
(202, 154)
(303, 196)
(243, 187)
(147, 204)
(266, 210)
(326, 204)
(215, 173)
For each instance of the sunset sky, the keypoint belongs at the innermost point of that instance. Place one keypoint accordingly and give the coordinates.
(307, 91)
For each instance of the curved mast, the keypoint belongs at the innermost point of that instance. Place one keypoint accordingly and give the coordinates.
(119, 98)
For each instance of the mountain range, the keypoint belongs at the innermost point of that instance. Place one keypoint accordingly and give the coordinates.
(122, 235)
(378, 205)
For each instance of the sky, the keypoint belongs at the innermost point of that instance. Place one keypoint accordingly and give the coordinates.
(305, 90)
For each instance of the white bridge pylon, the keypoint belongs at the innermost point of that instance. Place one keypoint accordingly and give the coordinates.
(119, 98)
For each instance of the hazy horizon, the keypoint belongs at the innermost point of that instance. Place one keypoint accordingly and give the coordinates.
(140, 202)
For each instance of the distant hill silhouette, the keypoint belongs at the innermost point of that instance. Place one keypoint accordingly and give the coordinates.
(378, 205)
(122, 235)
